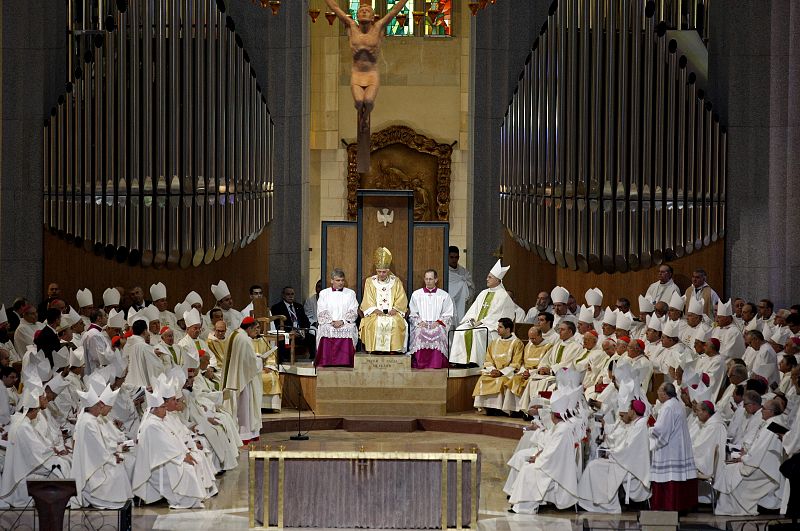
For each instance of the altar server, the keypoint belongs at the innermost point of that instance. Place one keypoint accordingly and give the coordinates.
(431, 315)
(337, 310)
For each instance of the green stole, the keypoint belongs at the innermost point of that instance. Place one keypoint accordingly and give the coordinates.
(487, 303)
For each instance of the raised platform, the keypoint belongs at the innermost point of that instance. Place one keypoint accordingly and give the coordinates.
(470, 424)
(378, 385)
(381, 385)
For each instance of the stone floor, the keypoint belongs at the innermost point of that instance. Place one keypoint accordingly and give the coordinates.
(228, 510)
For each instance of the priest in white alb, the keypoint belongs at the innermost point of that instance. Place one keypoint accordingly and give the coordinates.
(144, 365)
(337, 335)
(477, 328)
(754, 478)
(550, 475)
(430, 315)
(98, 465)
(164, 467)
(384, 306)
(460, 286)
(28, 455)
(242, 381)
(624, 461)
(731, 342)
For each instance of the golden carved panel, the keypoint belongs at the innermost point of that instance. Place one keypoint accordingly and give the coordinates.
(402, 159)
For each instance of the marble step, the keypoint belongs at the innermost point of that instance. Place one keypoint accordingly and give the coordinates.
(356, 407)
(431, 379)
(384, 394)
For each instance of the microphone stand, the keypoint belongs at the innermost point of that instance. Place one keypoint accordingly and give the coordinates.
(299, 436)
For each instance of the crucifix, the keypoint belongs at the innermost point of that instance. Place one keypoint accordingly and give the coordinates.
(365, 35)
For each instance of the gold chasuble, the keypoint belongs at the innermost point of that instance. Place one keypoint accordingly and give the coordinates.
(217, 348)
(379, 331)
(270, 379)
(505, 355)
(530, 362)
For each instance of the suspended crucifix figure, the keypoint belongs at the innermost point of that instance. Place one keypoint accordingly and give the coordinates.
(365, 43)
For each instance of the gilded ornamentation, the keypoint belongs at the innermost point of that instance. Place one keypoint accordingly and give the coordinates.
(402, 159)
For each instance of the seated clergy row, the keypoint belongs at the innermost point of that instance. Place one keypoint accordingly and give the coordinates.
(125, 417)
(726, 420)
(430, 314)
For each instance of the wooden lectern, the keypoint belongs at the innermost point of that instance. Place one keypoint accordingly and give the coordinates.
(51, 497)
(385, 219)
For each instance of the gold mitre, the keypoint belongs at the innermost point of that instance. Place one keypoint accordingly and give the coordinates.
(382, 258)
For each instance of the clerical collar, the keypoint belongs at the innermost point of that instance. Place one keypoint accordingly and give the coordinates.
(430, 290)
(339, 289)
(497, 287)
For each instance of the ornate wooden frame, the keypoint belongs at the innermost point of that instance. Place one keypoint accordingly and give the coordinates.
(400, 134)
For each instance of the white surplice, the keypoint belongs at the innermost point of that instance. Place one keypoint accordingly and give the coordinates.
(339, 305)
(434, 309)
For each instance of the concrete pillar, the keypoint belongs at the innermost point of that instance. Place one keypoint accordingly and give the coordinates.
(279, 48)
(754, 71)
(502, 37)
(33, 74)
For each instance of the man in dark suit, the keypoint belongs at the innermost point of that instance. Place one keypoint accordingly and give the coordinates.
(53, 293)
(15, 315)
(296, 320)
(46, 339)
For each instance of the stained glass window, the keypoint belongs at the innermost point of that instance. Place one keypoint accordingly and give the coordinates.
(442, 24)
(394, 28)
(354, 5)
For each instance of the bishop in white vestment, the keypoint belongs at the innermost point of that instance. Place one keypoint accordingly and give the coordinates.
(477, 329)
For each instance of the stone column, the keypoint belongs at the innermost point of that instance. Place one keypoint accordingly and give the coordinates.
(754, 72)
(502, 36)
(279, 48)
(33, 74)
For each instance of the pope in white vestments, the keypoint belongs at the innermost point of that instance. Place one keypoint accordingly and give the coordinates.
(478, 327)
(337, 310)
(383, 327)
(430, 314)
